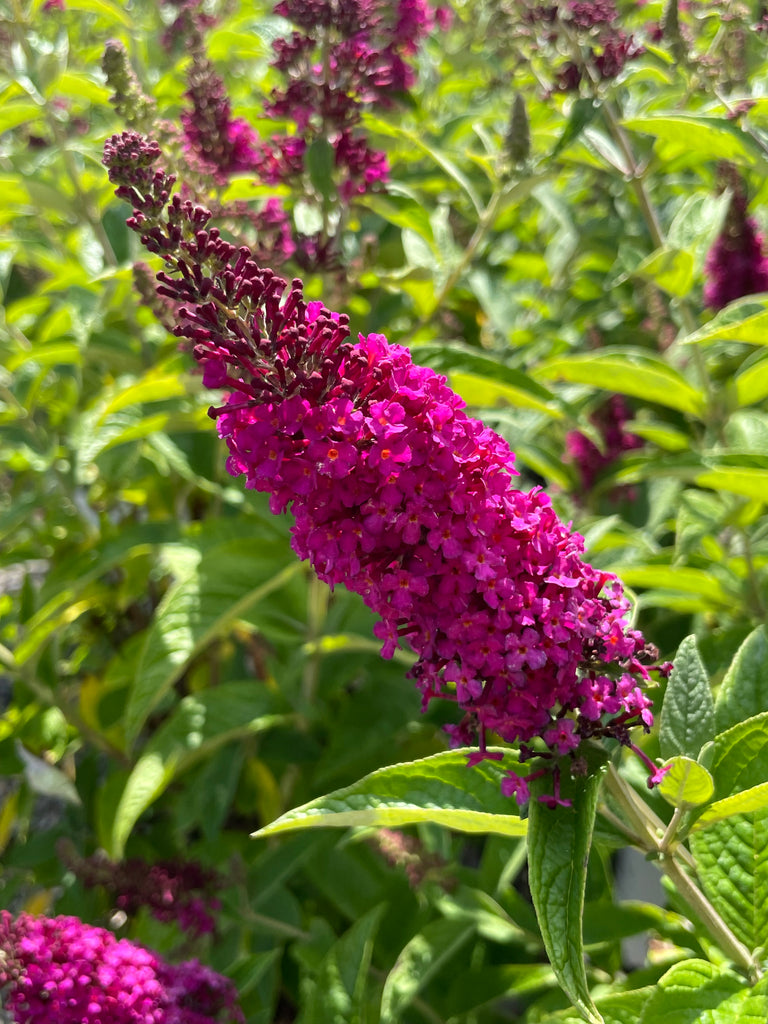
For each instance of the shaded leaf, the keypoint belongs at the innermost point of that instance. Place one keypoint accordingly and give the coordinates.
(197, 728)
(420, 960)
(228, 581)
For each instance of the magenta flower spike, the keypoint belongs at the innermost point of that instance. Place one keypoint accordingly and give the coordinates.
(736, 264)
(64, 971)
(398, 494)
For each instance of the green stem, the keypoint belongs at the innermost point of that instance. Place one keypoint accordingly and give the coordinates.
(722, 934)
(657, 839)
(317, 609)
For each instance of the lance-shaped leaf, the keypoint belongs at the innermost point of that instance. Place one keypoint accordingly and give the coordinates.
(630, 372)
(420, 960)
(559, 841)
(688, 714)
(440, 789)
(229, 581)
(197, 728)
(744, 691)
(339, 991)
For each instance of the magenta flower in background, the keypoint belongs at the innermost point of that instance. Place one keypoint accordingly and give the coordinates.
(180, 891)
(397, 493)
(736, 264)
(609, 420)
(61, 971)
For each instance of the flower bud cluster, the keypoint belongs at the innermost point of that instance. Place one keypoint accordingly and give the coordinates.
(64, 971)
(405, 499)
(128, 99)
(344, 57)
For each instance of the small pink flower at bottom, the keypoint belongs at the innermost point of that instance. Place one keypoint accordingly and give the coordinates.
(58, 970)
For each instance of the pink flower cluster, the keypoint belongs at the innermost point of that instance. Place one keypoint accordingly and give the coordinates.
(401, 496)
(609, 420)
(64, 971)
(171, 890)
(736, 265)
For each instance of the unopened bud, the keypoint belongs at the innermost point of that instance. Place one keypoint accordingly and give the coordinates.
(518, 140)
(670, 26)
(127, 98)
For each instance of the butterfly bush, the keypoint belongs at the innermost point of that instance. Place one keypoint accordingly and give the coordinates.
(398, 494)
(338, 60)
(58, 969)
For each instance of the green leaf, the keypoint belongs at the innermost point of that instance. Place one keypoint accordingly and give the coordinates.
(583, 112)
(688, 714)
(711, 137)
(319, 160)
(675, 578)
(671, 269)
(420, 960)
(18, 111)
(754, 799)
(56, 353)
(402, 210)
(687, 783)
(228, 581)
(744, 691)
(197, 728)
(629, 372)
(338, 992)
(481, 380)
(750, 483)
(439, 789)
(111, 11)
(154, 387)
(745, 320)
(696, 992)
(620, 1008)
(61, 590)
(559, 841)
(751, 384)
(732, 854)
(414, 141)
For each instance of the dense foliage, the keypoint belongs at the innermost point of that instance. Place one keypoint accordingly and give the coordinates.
(561, 208)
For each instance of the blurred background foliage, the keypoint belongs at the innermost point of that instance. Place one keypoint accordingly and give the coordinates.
(171, 677)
